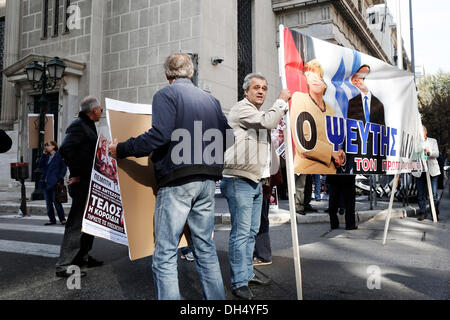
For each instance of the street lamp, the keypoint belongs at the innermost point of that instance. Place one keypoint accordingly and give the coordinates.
(42, 78)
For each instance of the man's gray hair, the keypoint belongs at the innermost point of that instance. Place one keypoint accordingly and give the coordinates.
(179, 65)
(248, 78)
(89, 103)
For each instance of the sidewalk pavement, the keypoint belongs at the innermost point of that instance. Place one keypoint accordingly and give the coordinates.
(10, 203)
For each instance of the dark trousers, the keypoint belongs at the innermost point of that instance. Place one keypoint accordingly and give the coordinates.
(76, 244)
(422, 192)
(263, 250)
(342, 186)
(50, 201)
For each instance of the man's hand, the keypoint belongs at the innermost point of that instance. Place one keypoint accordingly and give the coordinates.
(285, 95)
(339, 158)
(113, 149)
(73, 180)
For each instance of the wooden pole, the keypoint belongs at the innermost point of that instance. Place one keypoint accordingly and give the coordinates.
(290, 176)
(430, 191)
(388, 217)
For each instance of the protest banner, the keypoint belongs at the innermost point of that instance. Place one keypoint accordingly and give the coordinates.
(136, 177)
(350, 113)
(103, 215)
(346, 100)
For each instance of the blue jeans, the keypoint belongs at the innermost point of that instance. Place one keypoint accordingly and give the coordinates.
(244, 201)
(422, 191)
(50, 200)
(317, 186)
(192, 202)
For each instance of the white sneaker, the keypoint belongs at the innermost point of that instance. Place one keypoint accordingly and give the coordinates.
(188, 257)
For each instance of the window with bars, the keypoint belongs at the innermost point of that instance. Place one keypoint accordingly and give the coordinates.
(55, 17)
(326, 13)
(302, 19)
(44, 28)
(244, 43)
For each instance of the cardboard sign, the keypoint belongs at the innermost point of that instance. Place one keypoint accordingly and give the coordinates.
(33, 129)
(136, 177)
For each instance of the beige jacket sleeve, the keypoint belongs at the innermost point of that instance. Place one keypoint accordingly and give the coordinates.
(252, 118)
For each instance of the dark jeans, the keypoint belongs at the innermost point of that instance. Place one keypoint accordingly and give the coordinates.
(76, 244)
(422, 192)
(342, 186)
(50, 201)
(263, 251)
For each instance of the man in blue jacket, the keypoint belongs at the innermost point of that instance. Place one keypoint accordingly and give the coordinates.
(184, 121)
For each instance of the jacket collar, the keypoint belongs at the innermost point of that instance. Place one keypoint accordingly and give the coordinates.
(182, 81)
(83, 116)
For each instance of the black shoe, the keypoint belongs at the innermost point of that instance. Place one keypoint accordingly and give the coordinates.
(303, 213)
(49, 223)
(308, 208)
(421, 217)
(93, 263)
(243, 293)
(65, 274)
(351, 227)
(260, 282)
(334, 226)
(341, 211)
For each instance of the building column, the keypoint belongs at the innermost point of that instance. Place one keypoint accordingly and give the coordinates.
(96, 49)
(12, 41)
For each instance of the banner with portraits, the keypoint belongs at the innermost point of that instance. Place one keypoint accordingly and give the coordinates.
(103, 215)
(350, 113)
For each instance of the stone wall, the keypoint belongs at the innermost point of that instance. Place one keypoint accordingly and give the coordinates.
(138, 36)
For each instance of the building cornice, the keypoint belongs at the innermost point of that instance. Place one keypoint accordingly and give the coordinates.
(351, 15)
(15, 72)
(357, 21)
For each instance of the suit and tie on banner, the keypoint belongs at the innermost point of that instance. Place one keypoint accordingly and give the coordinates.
(350, 113)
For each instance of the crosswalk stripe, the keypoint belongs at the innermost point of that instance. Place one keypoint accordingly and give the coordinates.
(30, 248)
(14, 216)
(54, 229)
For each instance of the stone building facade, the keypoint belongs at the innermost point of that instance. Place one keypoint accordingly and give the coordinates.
(116, 48)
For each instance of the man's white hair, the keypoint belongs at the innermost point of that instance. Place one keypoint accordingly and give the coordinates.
(89, 103)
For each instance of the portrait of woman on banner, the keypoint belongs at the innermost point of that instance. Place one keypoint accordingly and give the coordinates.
(313, 152)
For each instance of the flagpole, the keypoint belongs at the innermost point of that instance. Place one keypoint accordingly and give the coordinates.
(290, 177)
(400, 66)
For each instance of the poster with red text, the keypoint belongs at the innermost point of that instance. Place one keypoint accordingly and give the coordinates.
(103, 216)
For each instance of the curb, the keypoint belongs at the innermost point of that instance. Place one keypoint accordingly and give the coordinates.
(276, 216)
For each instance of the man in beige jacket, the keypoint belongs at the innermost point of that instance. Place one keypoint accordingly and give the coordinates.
(431, 151)
(247, 164)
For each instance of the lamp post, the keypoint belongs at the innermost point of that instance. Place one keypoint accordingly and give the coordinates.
(43, 77)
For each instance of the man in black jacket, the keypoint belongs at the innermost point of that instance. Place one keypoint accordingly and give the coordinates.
(185, 119)
(78, 150)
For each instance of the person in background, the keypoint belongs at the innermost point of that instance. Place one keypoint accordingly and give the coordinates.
(262, 255)
(431, 151)
(53, 171)
(317, 186)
